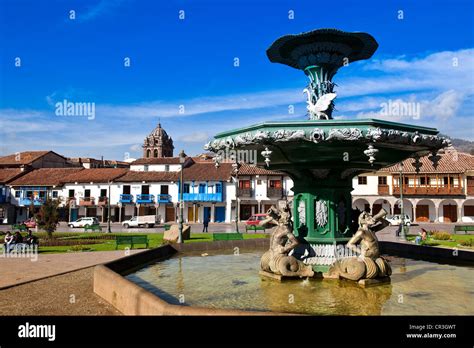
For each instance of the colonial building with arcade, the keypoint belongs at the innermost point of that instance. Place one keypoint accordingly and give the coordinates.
(441, 194)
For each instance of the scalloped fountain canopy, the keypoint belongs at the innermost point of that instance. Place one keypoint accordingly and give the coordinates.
(323, 155)
(320, 53)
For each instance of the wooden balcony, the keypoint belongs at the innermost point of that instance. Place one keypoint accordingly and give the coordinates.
(275, 192)
(245, 192)
(470, 189)
(429, 190)
(383, 190)
(102, 201)
(86, 201)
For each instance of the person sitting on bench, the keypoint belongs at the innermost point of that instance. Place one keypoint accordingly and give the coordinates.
(30, 239)
(9, 241)
(18, 238)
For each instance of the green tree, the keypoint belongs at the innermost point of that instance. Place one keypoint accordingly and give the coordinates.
(48, 216)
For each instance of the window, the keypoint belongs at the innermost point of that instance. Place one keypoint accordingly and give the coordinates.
(202, 188)
(362, 180)
(469, 210)
(275, 183)
(148, 153)
(71, 194)
(145, 189)
(445, 181)
(185, 188)
(55, 194)
(167, 167)
(17, 194)
(423, 181)
(126, 189)
(103, 192)
(259, 182)
(87, 193)
(244, 184)
(218, 188)
(382, 180)
(155, 153)
(145, 168)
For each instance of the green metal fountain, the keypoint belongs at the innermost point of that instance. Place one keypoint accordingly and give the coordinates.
(321, 154)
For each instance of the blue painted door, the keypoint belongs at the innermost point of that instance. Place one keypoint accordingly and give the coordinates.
(202, 188)
(220, 214)
(73, 214)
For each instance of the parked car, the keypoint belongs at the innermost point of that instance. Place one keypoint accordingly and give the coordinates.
(141, 221)
(30, 223)
(84, 222)
(396, 220)
(255, 219)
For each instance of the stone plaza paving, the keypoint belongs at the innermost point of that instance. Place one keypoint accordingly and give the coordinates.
(19, 270)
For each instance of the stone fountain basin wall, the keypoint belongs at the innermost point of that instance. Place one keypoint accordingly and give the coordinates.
(131, 299)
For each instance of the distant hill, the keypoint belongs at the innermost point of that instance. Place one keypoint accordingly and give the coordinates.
(462, 145)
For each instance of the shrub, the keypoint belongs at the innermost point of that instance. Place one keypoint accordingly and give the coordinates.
(441, 235)
(48, 216)
(467, 243)
(77, 248)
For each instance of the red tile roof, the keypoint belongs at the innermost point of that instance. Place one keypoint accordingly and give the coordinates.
(45, 177)
(159, 160)
(202, 171)
(96, 175)
(451, 162)
(9, 174)
(247, 169)
(26, 157)
(134, 176)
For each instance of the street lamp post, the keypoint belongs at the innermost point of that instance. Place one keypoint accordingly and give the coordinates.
(182, 158)
(402, 210)
(108, 211)
(235, 167)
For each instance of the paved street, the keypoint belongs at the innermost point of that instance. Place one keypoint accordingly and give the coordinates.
(116, 227)
(230, 227)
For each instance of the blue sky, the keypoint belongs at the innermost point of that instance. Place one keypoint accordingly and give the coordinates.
(190, 62)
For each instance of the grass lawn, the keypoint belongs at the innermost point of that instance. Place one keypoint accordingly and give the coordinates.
(455, 241)
(155, 240)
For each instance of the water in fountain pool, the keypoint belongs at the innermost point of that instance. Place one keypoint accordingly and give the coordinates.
(225, 280)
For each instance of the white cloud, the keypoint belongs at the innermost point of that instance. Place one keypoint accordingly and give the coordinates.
(136, 148)
(206, 105)
(195, 137)
(442, 90)
(102, 7)
(442, 107)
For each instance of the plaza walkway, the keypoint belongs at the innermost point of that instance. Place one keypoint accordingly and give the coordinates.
(15, 270)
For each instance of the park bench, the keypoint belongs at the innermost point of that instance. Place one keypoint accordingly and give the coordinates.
(93, 228)
(131, 240)
(227, 236)
(463, 228)
(19, 227)
(254, 228)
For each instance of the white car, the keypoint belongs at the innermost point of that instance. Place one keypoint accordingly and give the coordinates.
(83, 222)
(396, 220)
(141, 221)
